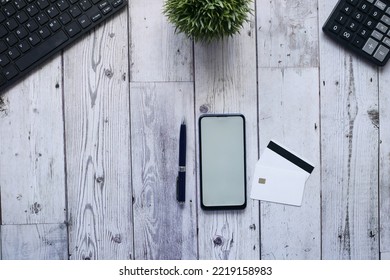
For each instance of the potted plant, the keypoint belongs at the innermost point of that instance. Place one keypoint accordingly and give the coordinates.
(207, 20)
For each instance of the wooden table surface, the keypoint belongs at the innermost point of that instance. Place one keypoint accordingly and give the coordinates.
(89, 142)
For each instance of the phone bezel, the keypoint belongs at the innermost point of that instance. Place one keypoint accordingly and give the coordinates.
(222, 207)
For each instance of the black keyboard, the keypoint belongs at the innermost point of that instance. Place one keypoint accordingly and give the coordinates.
(33, 30)
(362, 26)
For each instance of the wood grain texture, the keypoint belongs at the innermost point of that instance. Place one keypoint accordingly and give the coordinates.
(289, 114)
(287, 34)
(32, 179)
(34, 242)
(349, 141)
(163, 229)
(156, 52)
(225, 82)
(385, 256)
(383, 118)
(97, 135)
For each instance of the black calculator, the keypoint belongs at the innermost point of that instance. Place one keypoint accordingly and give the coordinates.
(362, 26)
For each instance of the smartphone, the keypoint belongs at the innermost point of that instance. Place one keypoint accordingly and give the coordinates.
(222, 161)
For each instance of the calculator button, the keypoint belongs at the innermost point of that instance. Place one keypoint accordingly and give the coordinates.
(380, 5)
(364, 32)
(381, 53)
(371, 1)
(388, 11)
(364, 7)
(358, 16)
(335, 28)
(386, 19)
(381, 27)
(369, 23)
(346, 35)
(375, 13)
(341, 18)
(377, 35)
(353, 25)
(386, 41)
(353, 2)
(347, 9)
(358, 42)
(370, 46)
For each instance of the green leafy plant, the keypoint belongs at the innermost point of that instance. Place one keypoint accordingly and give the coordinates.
(206, 20)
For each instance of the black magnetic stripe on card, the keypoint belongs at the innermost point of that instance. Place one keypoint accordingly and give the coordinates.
(290, 157)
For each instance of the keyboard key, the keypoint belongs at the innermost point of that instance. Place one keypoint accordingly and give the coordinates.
(106, 10)
(11, 24)
(9, 10)
(54, 25)
(370, 46)
(42, 50)
(32, 10)
(65, 18)
(75, 11)
(52, 12)
(62, 5)
(4, 60)
(34, 39)
(3, 31)
(32, 25)
(98, 16)
(2, 17)
(44, 32)
(43, 4)
(24, 46)
(10, 72)
(84, 21)
(72, 29)
(381, 53)
(13, 53)
(42, 18)
(22, 17)
(19, 4)
(85, 5)
(11, 39)
(117, 3)
(21, 32)
(3, 46)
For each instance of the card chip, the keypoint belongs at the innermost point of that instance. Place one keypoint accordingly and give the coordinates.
(262, 181)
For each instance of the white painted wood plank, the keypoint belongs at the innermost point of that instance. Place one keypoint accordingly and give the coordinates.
(289, 114)
(34, 242)
(385, 256)
(98, 143)
(287, 34)
(156, 52)
(32, 178)
(349, 140)
(225, 82)
(384, 159)
(163, 229)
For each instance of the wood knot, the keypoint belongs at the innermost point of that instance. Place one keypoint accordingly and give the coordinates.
(117, 238)
(109, 73)
(252, 227)
(204, 108)
(218, 241)
(35, 208)
(100, 180)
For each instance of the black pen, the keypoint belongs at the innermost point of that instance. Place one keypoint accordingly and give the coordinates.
(181, 177)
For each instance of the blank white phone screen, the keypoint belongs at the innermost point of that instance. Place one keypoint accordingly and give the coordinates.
(222, 148)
